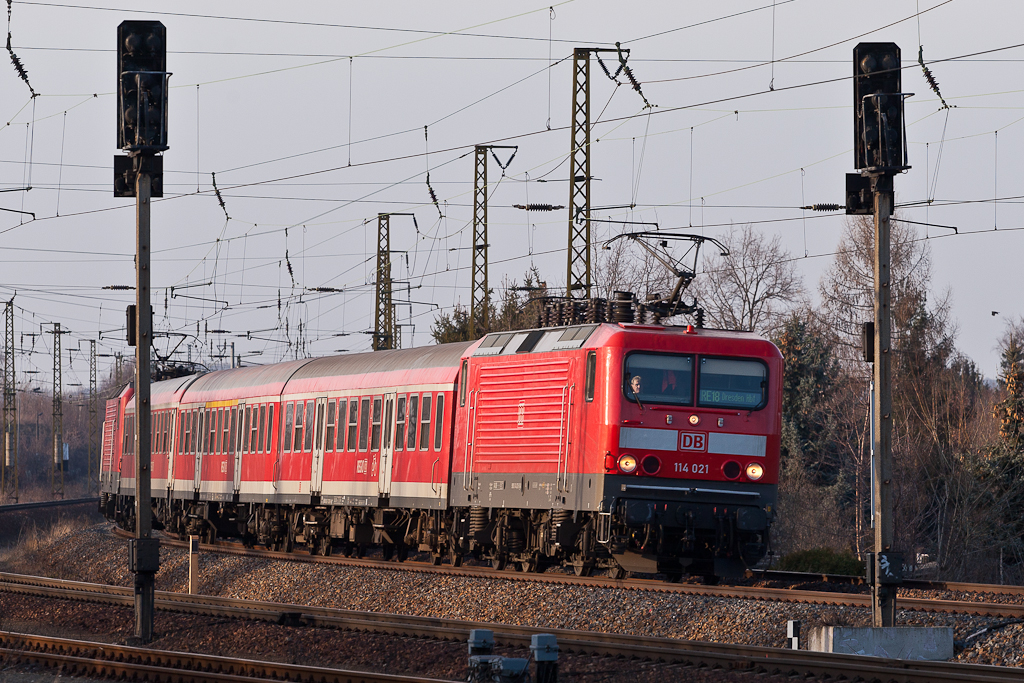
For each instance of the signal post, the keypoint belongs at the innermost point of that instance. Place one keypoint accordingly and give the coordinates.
(880, 153)
(142, 133)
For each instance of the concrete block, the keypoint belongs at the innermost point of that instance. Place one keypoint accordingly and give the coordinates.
(897, 642)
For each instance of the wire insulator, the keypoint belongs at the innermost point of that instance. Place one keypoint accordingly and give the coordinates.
(537, 207)
(824, 207)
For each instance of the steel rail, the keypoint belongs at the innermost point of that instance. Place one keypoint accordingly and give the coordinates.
(18, 507)
(110, 660)
(694, 653)
(909, 584)
(814, 597)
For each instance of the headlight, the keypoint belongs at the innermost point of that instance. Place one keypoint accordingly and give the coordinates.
(627, 463)
(754, 471)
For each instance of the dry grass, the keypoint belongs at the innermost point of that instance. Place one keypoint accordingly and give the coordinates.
(26, 554)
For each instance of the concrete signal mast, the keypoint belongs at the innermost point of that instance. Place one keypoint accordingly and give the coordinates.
(142, 132)
(880, 153)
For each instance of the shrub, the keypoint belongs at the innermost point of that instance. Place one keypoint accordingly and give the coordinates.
(821, 561)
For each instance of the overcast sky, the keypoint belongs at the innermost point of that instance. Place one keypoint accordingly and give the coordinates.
(312, 117)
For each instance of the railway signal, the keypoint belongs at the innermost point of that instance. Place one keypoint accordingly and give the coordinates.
(879, 153)
(142, 133)
(878, 108)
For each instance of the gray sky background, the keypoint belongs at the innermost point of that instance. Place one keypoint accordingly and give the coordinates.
(261, 97)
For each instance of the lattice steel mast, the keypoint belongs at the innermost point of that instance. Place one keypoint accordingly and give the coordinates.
(578, 281)
(57, 468)
(479, 306)
(93, 485)
(384, 309)
(9, 466)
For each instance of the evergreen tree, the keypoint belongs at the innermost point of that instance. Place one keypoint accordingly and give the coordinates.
(1010, 411)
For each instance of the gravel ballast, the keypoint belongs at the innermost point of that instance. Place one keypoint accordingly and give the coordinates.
(95, 555)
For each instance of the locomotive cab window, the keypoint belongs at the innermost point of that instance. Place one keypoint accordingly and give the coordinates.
(591, 372)
(462, 382)
(732, 383)
(658, 378)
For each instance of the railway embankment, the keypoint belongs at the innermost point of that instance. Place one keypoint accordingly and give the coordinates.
(94, 554)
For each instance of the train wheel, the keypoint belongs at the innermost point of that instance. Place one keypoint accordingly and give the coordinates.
(582, 568)
(710, 580)
(361, 550)
(346, 549)
(499, 562)
(388, 551)
(454, 556)
(617, 573)
(435, 560)
(402, 552)
(325, 546)
(528, 566)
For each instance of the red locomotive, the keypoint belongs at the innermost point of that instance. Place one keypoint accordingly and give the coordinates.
(636, 448)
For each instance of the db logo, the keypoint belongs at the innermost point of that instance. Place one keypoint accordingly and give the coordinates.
(692, 441)
(520, 414)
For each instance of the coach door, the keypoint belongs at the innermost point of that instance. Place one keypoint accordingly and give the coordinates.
(316, 475)
(236, 444)
(387, 447)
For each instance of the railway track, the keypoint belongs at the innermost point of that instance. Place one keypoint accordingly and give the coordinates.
(105, 660)
(909, 584)
(817, 597)
(729, 657)
(20, 507)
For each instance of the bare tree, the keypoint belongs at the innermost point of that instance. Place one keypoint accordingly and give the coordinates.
(847, 289)
(752, 286)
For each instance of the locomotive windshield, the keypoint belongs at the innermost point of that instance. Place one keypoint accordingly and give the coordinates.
(658, 378)
(732, 383)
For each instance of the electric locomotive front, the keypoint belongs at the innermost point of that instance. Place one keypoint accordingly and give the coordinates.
(691, 449)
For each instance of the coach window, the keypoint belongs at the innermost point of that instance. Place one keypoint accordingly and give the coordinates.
(225, 432)
(181, 432)
(332, 411)
(270, 427)
(203, 438)
(400, 424)
(732, 383)
(425, 423)
(300, 408)
(233, 430)
(254, 434)
(124, 435)
(364, 424)
(342, 412)
(439, 422)
(289, 417)
(353, 422)
(263, 425)
(214, 417)
(462, 382)
(195, 441)
(243, 428)
(210, 434)
(414, 404)
(216, 422)
(375, 434)
(591, 373)
(310, 426)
